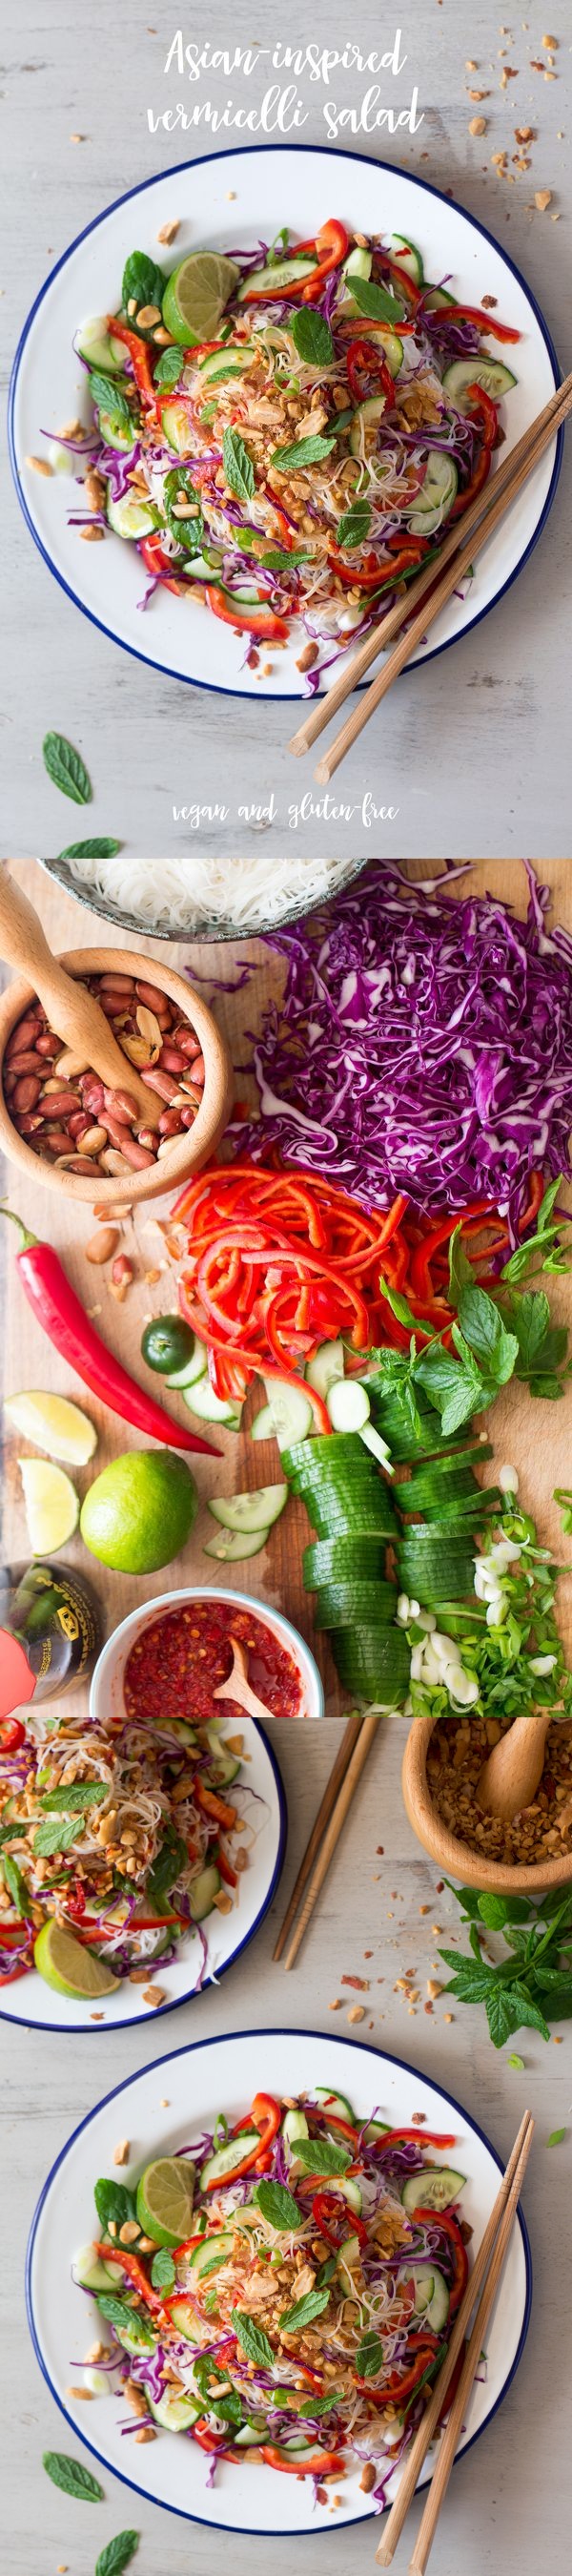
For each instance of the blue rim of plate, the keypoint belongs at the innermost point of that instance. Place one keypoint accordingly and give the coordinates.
(214, 688)
(135, 2022)
(268, 2031)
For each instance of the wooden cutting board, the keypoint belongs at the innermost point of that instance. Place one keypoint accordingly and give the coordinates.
(535, 1437)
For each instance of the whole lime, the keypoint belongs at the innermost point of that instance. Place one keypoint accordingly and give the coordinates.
(139, 1512)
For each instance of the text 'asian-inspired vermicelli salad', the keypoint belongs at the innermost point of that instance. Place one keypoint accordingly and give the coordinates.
(284, 2287)
(287, 433)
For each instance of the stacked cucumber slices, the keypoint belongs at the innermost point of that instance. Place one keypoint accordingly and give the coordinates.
(355, 1521)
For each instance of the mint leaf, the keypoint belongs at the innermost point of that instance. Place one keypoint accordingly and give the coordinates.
(189, 533)
(483, 1329)
(252, 2340)
(493, 1910)
(73, 1798)
(278, 2205)
(306, 451)
(66, 768)
(16, 1884)
(556, 2137)
(512, 2009)
(375, 301)
(322, 2156)
(279, 561)
(109, 398)
(71, 2476)
(163, 2275)
(12, 1832)
(142, 280)
(238, 466)
(130, 2329)
(320, 2405)
(167, 1865)
(369, 2356)
(312, 338)
(53, 1836)
(294, 2319)
(91, 850)
(455, 1390)
(170, 367)
(353, 529)
(117, 2554)
(113, 2201)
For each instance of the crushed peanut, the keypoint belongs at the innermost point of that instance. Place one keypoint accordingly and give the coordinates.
(121, 2152)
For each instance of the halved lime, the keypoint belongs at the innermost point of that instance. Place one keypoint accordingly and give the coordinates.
(67, 1967)
(55, 1425)
(165, 2200)
(52, 1505)
(196, 294)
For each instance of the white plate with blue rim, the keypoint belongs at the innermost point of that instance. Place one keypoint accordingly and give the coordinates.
(261, 1804)
(160, 2112)
(233, 200)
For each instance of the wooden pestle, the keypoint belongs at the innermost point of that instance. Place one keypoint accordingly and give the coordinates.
(510, 1777)
(73, 1013)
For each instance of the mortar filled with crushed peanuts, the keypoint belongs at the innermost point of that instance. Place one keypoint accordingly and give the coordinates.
(441, 1768)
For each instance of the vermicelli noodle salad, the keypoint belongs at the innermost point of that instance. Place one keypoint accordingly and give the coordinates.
(284, 2286)
(286, 434)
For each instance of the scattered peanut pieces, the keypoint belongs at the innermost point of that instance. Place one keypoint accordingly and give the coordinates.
(361, 1983)
(168, 232)
(356, 2012)
(154, 1995)
(337, 2004)
(542, 199)
(121, 2152)
(477, 125)
(39, 465)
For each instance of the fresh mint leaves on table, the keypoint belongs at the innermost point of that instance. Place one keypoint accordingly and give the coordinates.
(143, 282)
(117, 2554)
(306, 451)
(71, 2476)
(496, 1336)
(533, 1985)
(66, 768)
(278, 2205)
(90, 850)
(252, 2340)
(312, 338)
(238, 466)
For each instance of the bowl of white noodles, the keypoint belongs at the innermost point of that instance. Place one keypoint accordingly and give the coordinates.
(204, 895)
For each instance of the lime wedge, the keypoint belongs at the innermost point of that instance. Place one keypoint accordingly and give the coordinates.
(57, 1427)
(67, 1967)
(196, 294)
(52, 1505)
(165, 2200)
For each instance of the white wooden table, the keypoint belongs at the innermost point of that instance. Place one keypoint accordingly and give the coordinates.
(473, 750)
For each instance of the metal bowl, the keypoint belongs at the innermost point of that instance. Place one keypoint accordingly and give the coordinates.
(206, 931)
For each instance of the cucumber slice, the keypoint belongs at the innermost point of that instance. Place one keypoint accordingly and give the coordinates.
(348, 2262)
(345, 1605)
(231, 361)
(341, 1560)
(250, 2434)
(132, 519)
(221, 2166)
(177, 428)
(96, 344)
(187, 2324)
(431, 2294)
(392, 349)
(408, 256)
(176, 2414)
(202, 1892)
(194, 1368)
(257, 1511)
(336, 1454)
(324, 1370)
(235, 1545)
(290, 1413)
(117, 433)
(495, 379)
(435, 2188)
(366, 418)
(373, 1662)
(348, 1404)
(374, 1440)
(228, 1764)
(436, 497)
(294, 2125)
(201, 1399)
(359, 263)
(376, 2129)
(91, 2272)
(269, 281)
(335, 2103)
(135, 2333)
(212, 2251)
(435, 297)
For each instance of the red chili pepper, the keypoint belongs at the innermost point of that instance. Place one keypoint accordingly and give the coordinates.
(75, 1902)
(449, 2227)
(480, 402)
(483, 321)
(130, 2264)
(249, 621)
(12, 1734)
(321, 2464)
(140, 355)
(158, 562)
(364, 359)
(63, 1318)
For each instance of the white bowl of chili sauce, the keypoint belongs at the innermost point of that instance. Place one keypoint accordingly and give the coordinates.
(171, 1654)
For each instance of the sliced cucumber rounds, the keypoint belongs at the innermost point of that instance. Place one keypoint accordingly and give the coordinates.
(495, 378)
(438, 492)
(435, 2188)
(246, 1520)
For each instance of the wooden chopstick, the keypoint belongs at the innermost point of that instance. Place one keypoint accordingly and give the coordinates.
(502, 2215)
(333, 1784)
(448, 2445)
(364, 1740)
(327, 706)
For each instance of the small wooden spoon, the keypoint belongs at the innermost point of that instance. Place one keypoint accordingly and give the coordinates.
(510, 1778)
(238, 1686)
(73, 1013)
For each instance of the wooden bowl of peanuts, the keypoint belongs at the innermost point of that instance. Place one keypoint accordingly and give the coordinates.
(60, 1124)
(460, 1859)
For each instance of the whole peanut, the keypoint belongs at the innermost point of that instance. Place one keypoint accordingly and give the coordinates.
(172, 1060)
(61, 1103)
(28, 1061)
(93, 1140)
(154, 1000)
(46, 1045)
(122, 1106)
(27, 1092)
(23, 1036)
(170, 1121)
(159, 1082)
(103, 1245)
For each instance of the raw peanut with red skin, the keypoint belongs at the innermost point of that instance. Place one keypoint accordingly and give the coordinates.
(117, 984)
(188, 1116)
(92, 1093)
(123, 1271)
(47, 1045)
(79, 1125)
(27, 1061)
(27, 1093)
(172, 1060)
(28, 1126)
(122, 1106)
(198, 1071)
(189, 1045)
(170, 1121)
(112, 1004)
(136, 1155)
(23, 1036)
(153, 999)
(159, 1082)
(77, 1163)
(103, 1245)
(63, 1104)
(57, 1142)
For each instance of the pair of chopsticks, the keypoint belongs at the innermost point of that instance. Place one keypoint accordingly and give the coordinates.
(457, 554)
(346, 1771)
(488, 2262)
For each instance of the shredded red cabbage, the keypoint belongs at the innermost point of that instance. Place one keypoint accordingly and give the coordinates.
(423, 1045)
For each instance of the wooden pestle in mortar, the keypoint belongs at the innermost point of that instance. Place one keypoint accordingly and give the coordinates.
(73, 1013)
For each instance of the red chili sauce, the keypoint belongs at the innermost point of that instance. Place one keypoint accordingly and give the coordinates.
(178, 1660)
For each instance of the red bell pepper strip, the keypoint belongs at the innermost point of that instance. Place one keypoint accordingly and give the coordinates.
(321, 2464)
(140, 355)
(332, 2220)
(10, 1978)
(370, 574)
(480, 402)
(12, 1734)
(229, 1875)
(63, 1318)
(402, 2384)
(363, 359)
(159, 563)
(483, 321)
(213, 2441)
(449, 2227)
(130, 2264)
(187, 2247)
(424, 2138)
(413, 294)
(347, 2127)
(248, 621)
(266, 2115)
(331, 245)
(213, 1805)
